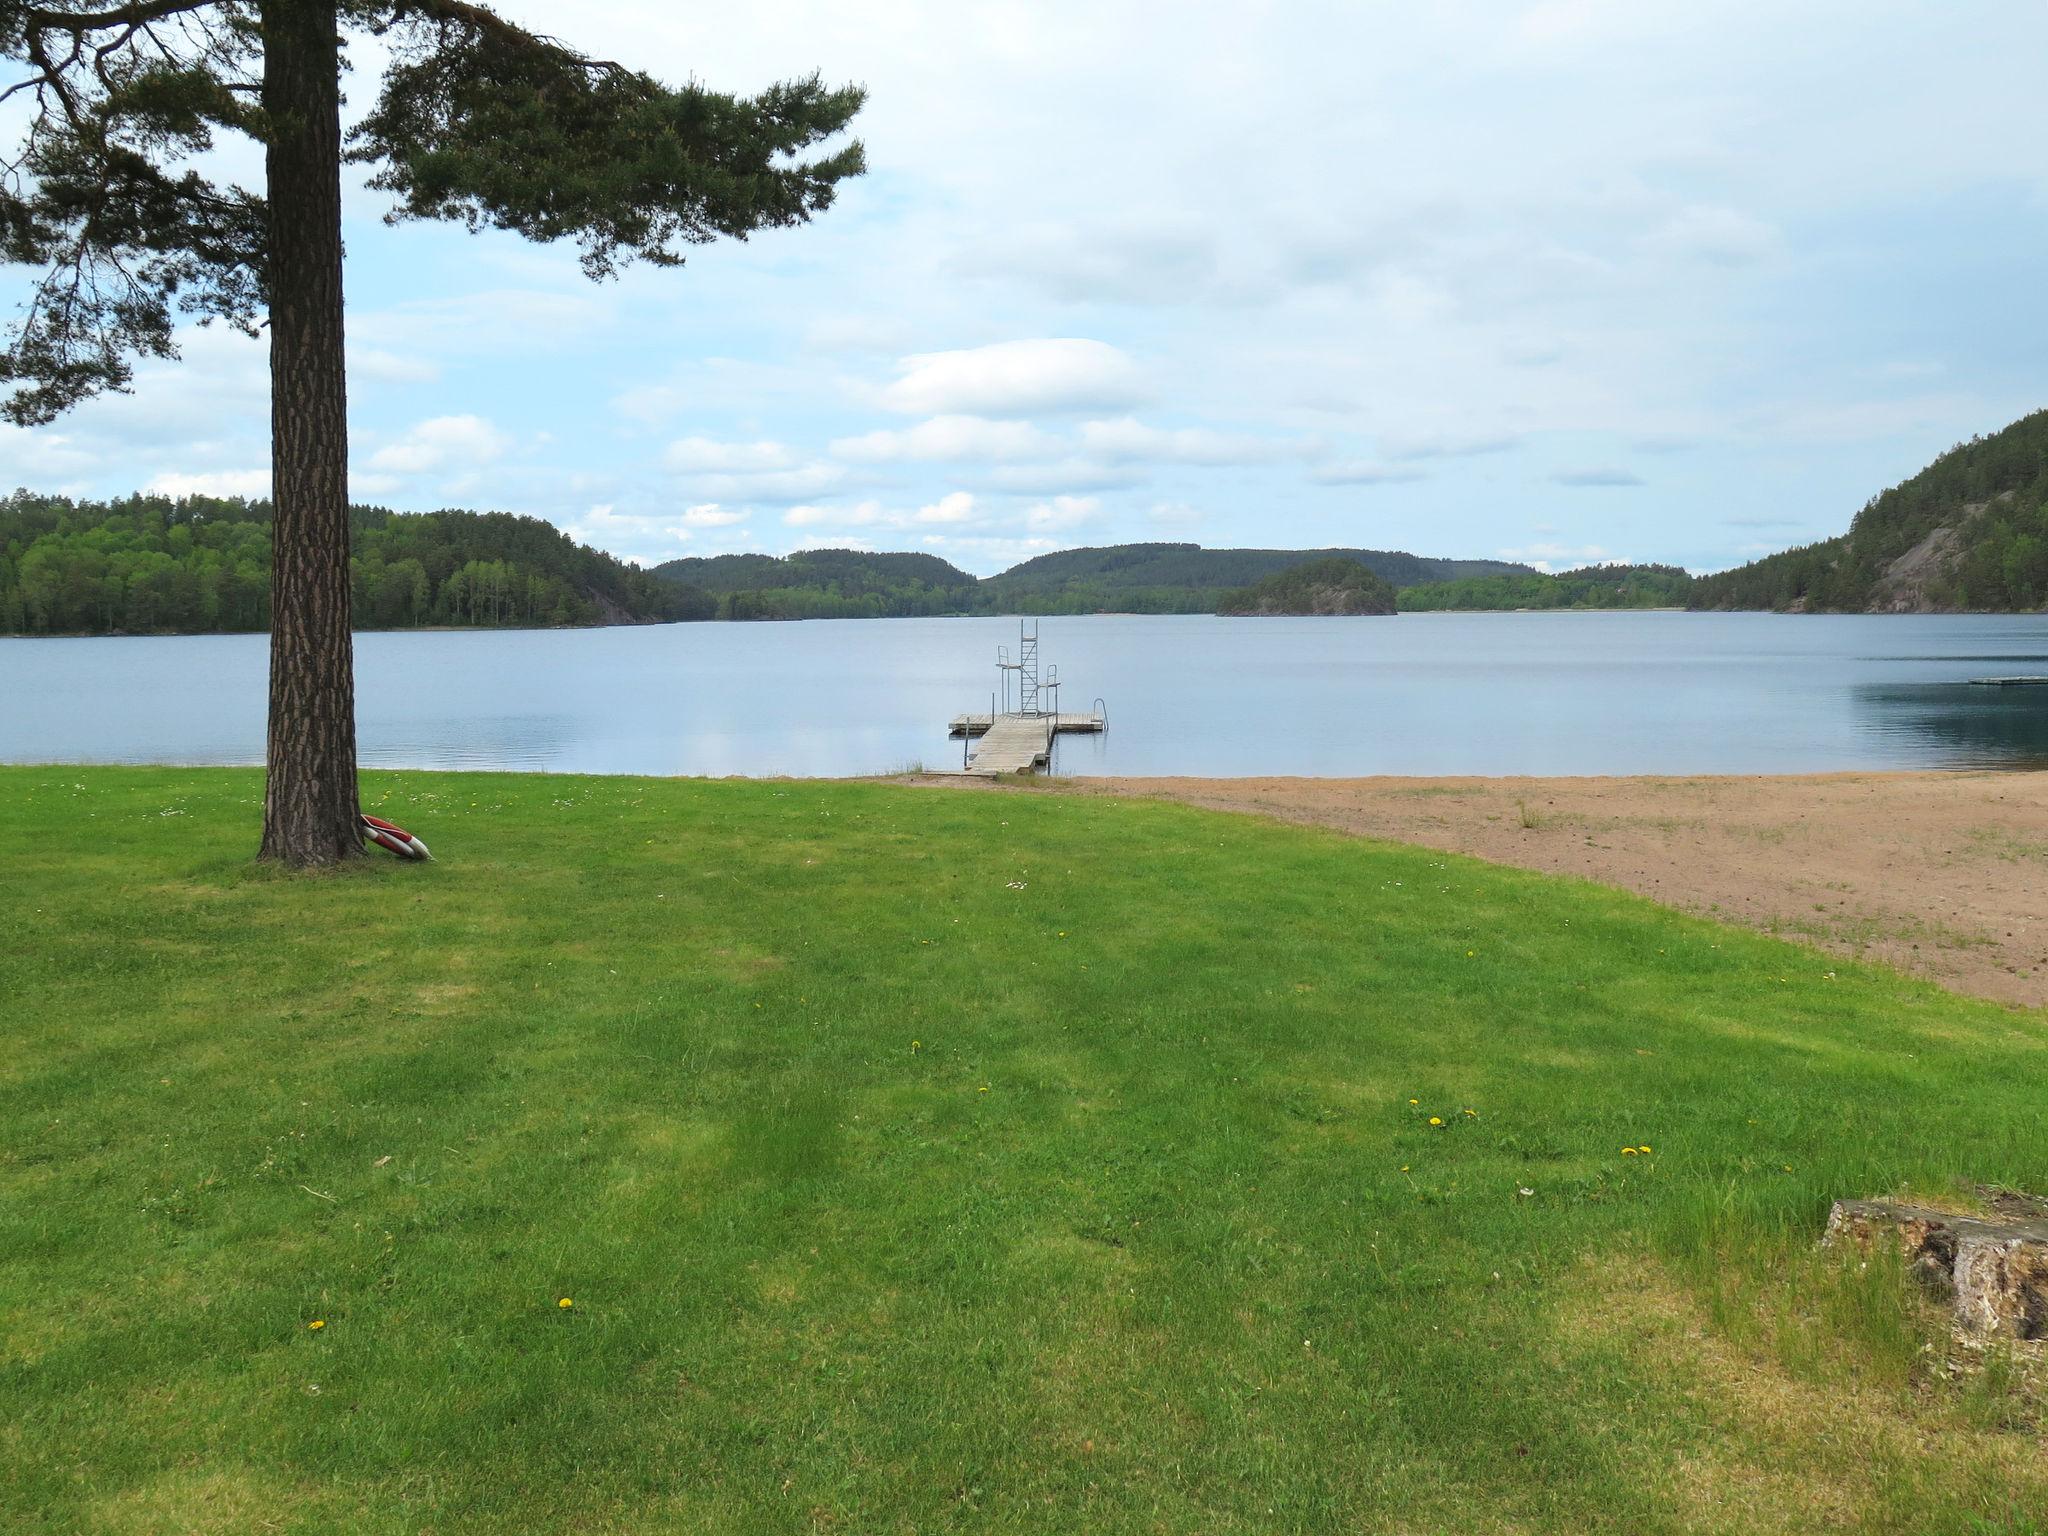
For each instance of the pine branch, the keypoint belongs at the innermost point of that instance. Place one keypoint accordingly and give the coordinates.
(489, 24)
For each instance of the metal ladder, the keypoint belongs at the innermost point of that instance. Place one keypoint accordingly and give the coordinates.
(1027, 669)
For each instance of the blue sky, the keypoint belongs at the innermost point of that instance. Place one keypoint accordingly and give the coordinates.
(1557, 281)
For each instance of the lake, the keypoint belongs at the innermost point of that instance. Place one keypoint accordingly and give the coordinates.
(1536, 693)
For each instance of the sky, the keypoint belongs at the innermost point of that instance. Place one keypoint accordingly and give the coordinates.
(1564, 281)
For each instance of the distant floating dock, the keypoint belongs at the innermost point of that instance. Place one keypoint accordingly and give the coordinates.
(1020, 740)
(978, 725)
(2009, 682)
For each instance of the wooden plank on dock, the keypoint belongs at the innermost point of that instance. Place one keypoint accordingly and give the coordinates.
(1012, 744)
(975, 725)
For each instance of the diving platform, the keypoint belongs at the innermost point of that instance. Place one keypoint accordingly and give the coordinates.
(1010, 740)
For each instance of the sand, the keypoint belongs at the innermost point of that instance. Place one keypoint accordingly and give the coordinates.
(1942, 874)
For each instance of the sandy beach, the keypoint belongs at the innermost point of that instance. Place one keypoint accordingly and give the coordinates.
(1942, 874)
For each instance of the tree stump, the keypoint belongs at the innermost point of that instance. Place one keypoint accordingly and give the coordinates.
(1995, 1267)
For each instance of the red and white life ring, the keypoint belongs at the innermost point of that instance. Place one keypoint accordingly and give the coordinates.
(395, 838)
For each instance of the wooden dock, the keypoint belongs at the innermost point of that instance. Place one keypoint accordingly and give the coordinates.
(1020, 740)
(1013, 744)
(977, 725)
(2010, 682)
(1016, 743)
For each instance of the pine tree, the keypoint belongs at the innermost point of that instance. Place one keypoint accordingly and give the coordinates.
(477, 120)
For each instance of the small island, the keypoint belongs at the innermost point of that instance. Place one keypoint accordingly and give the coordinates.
(1318, 589)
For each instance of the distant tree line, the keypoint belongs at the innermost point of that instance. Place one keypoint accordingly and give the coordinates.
(157, 564)
(822, 584)
(1121, 578)
(1592, 586)
(1332, 586)
(150, 564)
(1186, 578)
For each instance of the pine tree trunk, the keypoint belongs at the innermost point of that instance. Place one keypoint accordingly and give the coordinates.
(309, 799)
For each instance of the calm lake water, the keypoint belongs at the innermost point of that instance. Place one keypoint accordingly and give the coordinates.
(1566, 693)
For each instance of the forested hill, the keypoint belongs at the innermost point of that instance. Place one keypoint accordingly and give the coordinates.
(1330, 588)
(151, 564)
(1121, 578)
(823, 584)
(1970, 531)
(1591, 586)
(1186, 578)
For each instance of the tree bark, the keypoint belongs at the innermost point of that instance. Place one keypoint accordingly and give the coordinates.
(310, 808)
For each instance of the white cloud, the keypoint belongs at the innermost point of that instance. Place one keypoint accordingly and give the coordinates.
(1016, 378)
(651, 537)
(382, 367)
(1063, 512)
(757, 471)
(1068, 474)
(1720, 237)
(1554, 21)
(853, 333)
(1157, 260)
(701, 455)
(808, 516)
(443, 443)
(1454, 445)
(950, 440)
(1562, 557)
(226, 482)
(711, 515)
(953, 507)
(1127, 440)
(1599, 478)
(491, 321)
(1365, 472)
(774, 485)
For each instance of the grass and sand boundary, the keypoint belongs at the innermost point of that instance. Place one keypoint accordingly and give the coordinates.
(954, 1162)
(1944, 874)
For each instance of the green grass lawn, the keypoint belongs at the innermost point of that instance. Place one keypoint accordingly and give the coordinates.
(923, 1161)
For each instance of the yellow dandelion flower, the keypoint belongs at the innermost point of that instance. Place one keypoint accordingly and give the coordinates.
(1642, 1149)
(1404, 1167)
(1473, 1113)
(1628, 1151)
(1415, 1101)
(984, 1087)
(1433, 1120)
(317, 1324)
(565, 1303)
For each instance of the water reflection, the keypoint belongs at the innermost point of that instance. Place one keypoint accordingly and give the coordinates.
(1960, 725)
(1666, 693)
(531, 743)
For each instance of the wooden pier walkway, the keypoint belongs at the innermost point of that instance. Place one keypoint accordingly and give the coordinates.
(1013, 744)
(1016, 743)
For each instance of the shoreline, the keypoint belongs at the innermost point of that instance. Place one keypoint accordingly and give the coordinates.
(1100, 613)
(1939, 872)
(1942, 873)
